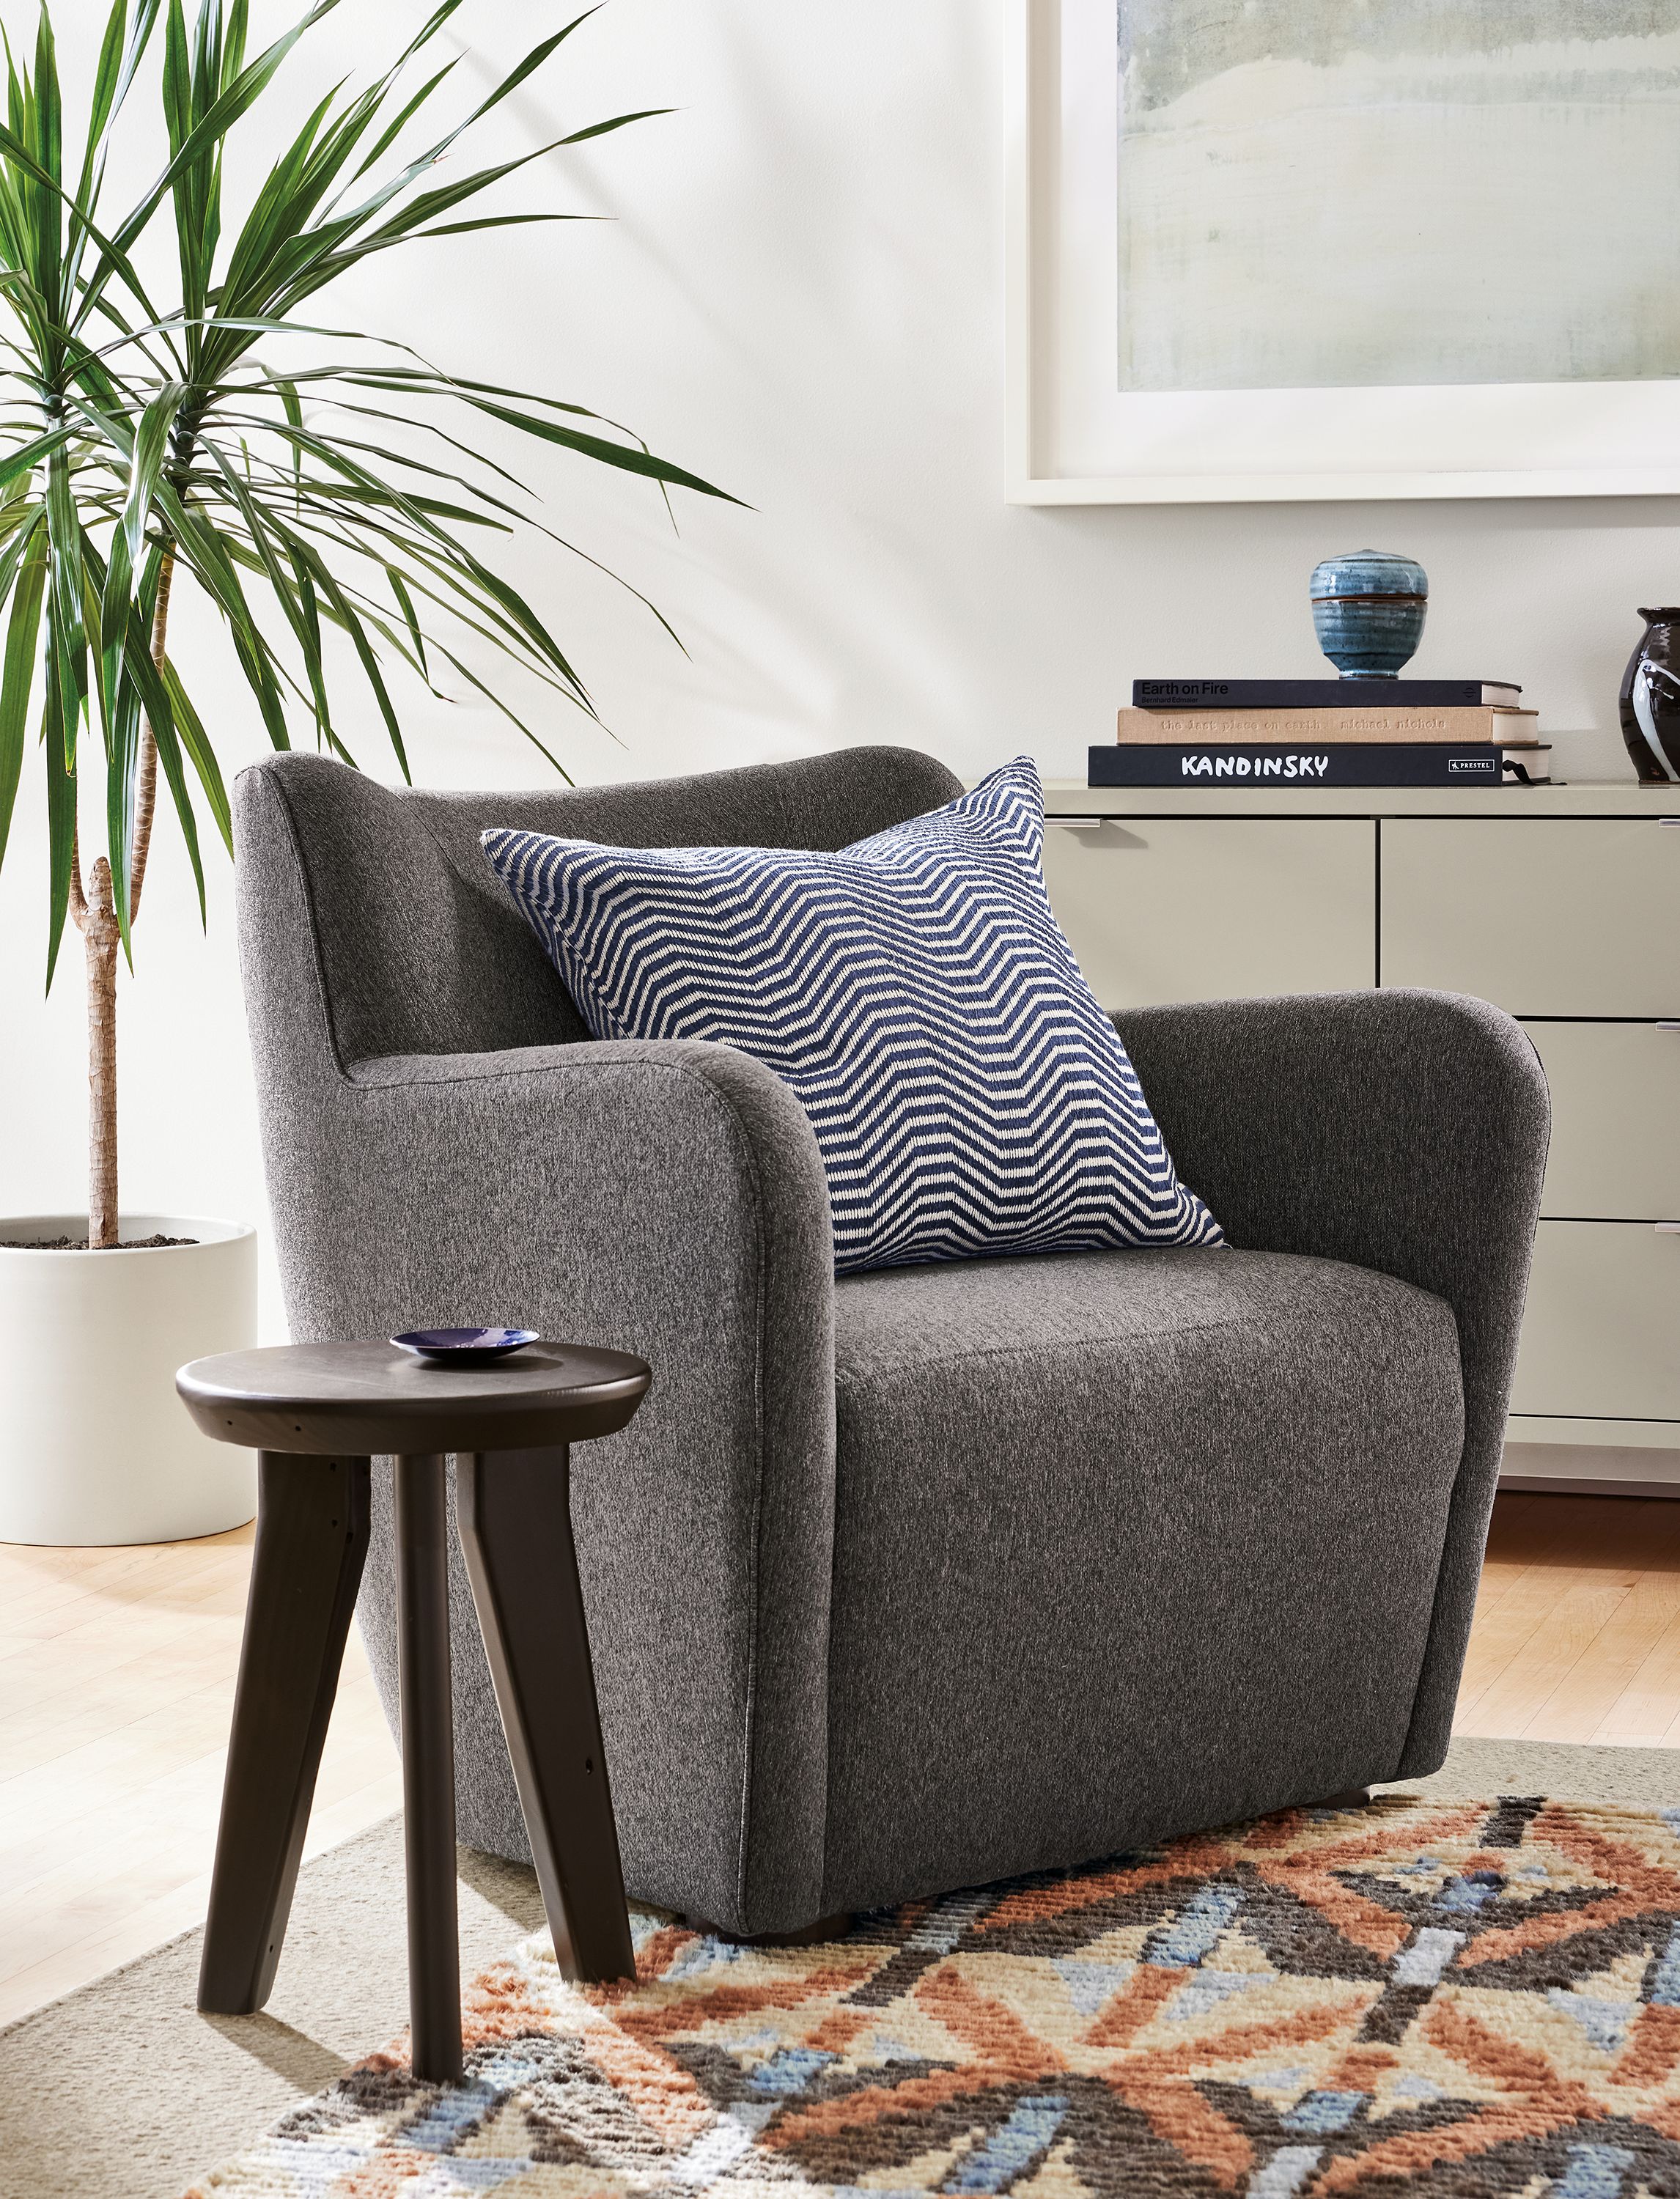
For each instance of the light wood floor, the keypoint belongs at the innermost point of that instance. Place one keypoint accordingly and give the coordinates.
(116, 1684)
(1577, 1623)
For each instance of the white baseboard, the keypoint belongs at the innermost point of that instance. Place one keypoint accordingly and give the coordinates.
(1593, 1435)
(1589, 1469)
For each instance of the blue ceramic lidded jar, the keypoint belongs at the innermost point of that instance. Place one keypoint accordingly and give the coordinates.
(1368, 609)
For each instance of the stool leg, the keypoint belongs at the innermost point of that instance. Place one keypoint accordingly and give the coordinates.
(513, 1508)
(311, 1538)
(428, 1767)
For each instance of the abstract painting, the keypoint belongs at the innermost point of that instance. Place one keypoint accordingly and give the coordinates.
(1342, 194)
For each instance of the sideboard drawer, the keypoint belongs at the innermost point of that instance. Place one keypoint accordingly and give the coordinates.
(1615, 1093)
(1217, 907)
(1601, 1336)
(1565, 916)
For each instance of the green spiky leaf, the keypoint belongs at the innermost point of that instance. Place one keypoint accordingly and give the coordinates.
(304, 480)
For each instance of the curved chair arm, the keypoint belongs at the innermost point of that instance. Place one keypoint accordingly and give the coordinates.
(1399, 1130)
(638, 1167)
(669, 1199)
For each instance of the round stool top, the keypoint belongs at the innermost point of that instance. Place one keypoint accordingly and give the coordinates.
(364, 1398)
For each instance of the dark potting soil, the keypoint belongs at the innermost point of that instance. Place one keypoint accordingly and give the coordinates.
(81, 1244)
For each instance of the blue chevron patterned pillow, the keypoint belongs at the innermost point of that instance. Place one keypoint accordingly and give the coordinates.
(968, 1094)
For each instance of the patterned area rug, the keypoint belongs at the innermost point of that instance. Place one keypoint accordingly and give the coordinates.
(1432, 1998)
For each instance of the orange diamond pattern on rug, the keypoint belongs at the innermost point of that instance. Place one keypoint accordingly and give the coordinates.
(1446, 1999)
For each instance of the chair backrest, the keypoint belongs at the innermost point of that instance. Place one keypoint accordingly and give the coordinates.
(419, 949)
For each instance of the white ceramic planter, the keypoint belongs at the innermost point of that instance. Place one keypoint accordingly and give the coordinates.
(94, 1445)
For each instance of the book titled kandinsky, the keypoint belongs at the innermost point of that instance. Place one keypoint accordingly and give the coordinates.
(1329, 763)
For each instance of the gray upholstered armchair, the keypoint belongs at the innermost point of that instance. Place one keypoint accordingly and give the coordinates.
(942, 1573)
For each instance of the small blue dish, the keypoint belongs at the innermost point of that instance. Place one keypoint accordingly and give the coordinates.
(464, 1347)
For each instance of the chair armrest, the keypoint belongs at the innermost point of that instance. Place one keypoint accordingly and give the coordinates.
(668, 1199)
(1400, 1131)
(646, 1159)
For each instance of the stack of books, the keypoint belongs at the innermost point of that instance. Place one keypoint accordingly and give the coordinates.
(1324, 733)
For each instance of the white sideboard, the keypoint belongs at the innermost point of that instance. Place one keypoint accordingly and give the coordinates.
(1560, 903)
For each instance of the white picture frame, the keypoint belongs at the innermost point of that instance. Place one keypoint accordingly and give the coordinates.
(1075, 438)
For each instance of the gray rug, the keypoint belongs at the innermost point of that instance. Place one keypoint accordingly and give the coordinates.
(122, 2091)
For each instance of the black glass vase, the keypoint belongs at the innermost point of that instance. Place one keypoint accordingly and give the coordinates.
(1650, 698)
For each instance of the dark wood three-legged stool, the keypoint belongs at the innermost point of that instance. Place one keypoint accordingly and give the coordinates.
(316, 1413)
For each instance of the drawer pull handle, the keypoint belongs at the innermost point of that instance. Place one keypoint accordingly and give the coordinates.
(1096, 824)
(1673, 1027)
(1669, 820)
(1668, 1229)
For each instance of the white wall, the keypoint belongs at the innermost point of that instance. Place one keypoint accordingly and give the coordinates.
(800, 298)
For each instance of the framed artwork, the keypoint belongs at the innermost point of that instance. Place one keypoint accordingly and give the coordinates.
(1260, 250)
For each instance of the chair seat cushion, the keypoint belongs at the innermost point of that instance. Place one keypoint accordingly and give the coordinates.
(967, 1092)
(1126, 1543)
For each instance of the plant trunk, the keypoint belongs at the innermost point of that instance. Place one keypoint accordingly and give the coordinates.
(100, 942)
(96, 916)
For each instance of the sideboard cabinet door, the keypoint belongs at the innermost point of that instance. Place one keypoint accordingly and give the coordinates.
(1216, 908)
(1546, 916)
(1615, 1091)
(1598, 1334)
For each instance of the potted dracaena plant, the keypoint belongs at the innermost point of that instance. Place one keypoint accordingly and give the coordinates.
(148, 446)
